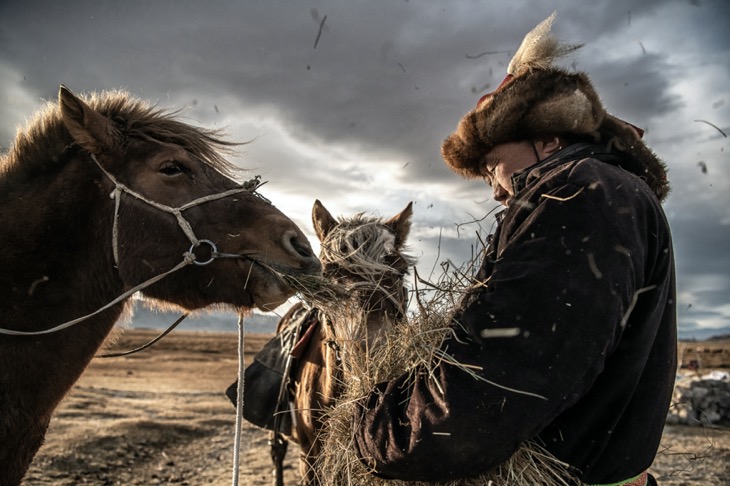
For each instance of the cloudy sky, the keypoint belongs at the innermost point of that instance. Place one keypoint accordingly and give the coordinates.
(348, 101)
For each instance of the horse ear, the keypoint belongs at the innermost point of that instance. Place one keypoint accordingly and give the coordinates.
(322, 220)
(89, 128)
(400, 224)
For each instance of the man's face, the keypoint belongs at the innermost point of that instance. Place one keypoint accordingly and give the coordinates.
(500, 163)
(506, 159)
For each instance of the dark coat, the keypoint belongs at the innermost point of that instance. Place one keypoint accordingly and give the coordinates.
(582, 266)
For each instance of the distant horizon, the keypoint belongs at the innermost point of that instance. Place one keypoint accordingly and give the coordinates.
(265, 323)
(213, 320)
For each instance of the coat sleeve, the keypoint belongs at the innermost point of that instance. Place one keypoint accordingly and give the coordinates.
(565, 277)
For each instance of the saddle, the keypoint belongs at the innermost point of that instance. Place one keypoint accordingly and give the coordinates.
(266, 399)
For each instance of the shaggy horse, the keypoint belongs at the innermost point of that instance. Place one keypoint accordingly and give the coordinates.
(99, 198)
(363, 256)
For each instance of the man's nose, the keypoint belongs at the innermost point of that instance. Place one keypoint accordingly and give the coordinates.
(500, 194)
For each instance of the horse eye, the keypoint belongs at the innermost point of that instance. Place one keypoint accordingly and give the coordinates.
(173, 168)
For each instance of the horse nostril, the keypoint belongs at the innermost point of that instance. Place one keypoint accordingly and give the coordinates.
(298, 244)
(302, 248)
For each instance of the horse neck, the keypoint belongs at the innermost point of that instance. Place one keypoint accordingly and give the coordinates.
(382, 308)
(55, 248)
(377, 326)
(358, 322)
(57, 266)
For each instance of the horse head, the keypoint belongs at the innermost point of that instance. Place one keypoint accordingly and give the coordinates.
(102, 197)
(172, 193)
(366, 256)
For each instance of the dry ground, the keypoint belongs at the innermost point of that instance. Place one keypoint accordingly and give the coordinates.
(160, 417)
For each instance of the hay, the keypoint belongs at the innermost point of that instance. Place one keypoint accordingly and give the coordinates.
(411, 344)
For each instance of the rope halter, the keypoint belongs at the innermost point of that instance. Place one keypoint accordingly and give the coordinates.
(188, 257)
(119, 188)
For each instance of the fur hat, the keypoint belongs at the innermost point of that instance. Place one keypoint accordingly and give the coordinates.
(538, 99)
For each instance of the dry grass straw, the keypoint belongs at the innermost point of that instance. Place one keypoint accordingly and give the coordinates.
(411, 346)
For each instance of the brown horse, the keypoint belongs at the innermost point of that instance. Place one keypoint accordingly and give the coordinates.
(365, 257)
(97, 196)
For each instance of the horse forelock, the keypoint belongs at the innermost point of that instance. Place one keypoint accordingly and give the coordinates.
(43, 137)
(360, 245)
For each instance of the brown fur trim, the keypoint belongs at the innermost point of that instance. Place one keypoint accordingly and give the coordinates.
(639, 158)
(549, 102)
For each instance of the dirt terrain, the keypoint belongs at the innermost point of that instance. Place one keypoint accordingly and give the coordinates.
(160, 417)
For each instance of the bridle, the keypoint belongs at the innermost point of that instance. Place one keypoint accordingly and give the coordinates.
(120, 188)
(189, 256)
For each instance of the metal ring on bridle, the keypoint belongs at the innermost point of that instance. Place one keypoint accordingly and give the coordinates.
(213, 251)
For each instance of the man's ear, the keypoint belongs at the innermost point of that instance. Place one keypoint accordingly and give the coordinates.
(547, 146)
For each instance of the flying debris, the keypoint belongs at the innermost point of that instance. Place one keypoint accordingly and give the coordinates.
(703, 166)
(487, 53)
(319, 34)
(713, 126)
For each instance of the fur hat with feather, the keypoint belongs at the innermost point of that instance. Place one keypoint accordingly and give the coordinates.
(539, 99)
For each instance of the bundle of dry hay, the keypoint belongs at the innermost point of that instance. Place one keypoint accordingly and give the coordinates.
(409, 346)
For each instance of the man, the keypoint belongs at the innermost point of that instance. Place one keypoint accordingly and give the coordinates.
(572, 328)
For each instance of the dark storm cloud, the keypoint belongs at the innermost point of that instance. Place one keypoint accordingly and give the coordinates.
(636, 87)
(386, 71)
(365, 110)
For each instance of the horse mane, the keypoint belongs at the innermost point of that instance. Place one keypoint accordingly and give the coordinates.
(40, 142)
(360, 245)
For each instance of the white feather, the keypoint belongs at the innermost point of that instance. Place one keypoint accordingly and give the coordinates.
(539, 49)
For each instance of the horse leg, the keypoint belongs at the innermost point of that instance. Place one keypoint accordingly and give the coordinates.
(279, 446)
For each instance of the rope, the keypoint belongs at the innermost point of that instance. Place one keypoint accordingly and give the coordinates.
(145, 346)
(117, 196)
(119, 188)
(239, 404)
(188, 258)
